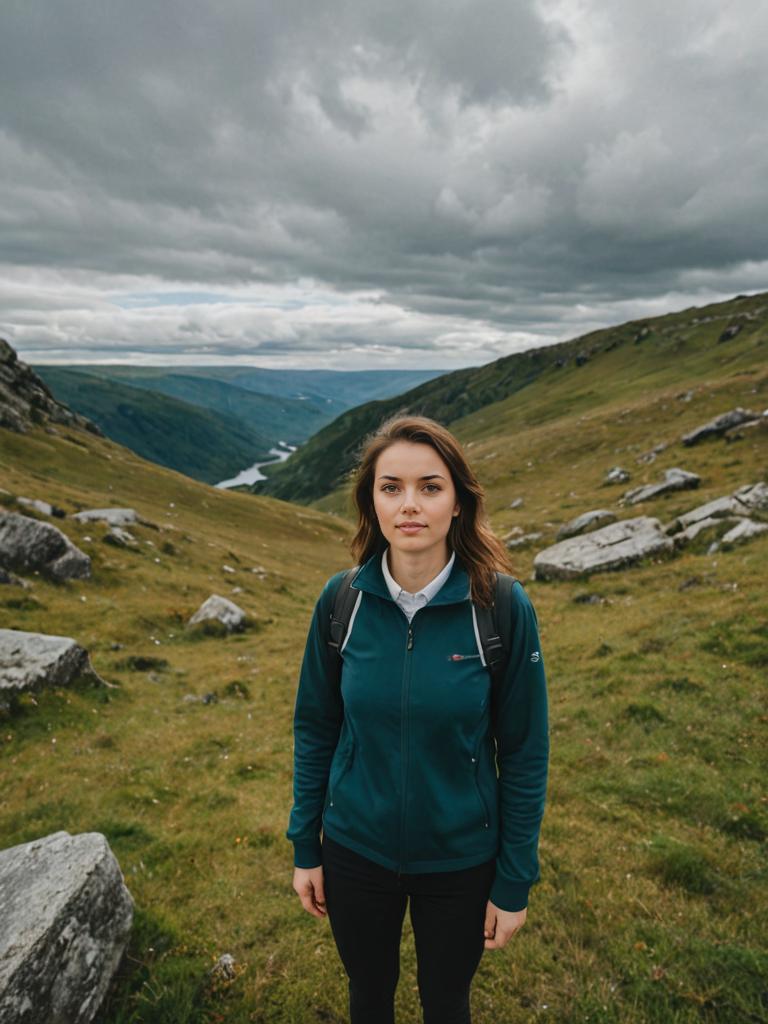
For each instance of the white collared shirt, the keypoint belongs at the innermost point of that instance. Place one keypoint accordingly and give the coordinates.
(410, 603)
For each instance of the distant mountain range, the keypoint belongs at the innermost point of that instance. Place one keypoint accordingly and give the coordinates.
(212, 422)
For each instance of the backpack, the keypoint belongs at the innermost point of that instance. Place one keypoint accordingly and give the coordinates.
(494, 624)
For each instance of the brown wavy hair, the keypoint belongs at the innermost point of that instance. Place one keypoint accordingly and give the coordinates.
(469, 535)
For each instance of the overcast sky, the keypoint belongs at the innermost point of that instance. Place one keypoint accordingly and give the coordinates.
(325, 183)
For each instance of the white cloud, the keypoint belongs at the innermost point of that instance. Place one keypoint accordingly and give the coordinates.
(448, 180)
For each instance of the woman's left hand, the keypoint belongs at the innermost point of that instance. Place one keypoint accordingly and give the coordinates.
(500, 924)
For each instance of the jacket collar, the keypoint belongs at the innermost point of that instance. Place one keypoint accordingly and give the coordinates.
(370, 578)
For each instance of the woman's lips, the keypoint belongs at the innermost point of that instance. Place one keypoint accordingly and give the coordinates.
(411, 529)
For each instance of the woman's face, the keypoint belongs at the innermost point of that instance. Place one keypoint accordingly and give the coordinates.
(412, 484)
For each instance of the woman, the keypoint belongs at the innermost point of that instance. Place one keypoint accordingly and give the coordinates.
(398, 764)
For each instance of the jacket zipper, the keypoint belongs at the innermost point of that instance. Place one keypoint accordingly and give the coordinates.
(404, 740)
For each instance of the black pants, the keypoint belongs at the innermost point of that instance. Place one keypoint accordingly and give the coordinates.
(366, 907)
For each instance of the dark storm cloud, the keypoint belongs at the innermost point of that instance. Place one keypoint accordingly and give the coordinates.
(438, 180)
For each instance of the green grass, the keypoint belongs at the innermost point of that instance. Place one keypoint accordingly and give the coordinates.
(652, 903)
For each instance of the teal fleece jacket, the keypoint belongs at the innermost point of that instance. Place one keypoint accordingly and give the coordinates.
(406, 762)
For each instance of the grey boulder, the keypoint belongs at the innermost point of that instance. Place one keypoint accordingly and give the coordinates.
(585, 522)
(113, 516)
(220, 609)
(745, 529)
(34, 661)
(523, 540)
(719, 425)
(703, 526)
(746, 501)
(43, 507)
(754, 497)
(675, 479)
(616, 546)
(27, 545)
(66, 920)
(120, 538)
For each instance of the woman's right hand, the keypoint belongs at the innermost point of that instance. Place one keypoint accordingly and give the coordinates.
(308, 883)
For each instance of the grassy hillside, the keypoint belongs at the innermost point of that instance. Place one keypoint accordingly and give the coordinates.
(543, 384)
(199, 442)
(652, 903)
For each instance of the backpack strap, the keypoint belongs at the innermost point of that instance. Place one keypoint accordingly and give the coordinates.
(338, 622)
(495, 626)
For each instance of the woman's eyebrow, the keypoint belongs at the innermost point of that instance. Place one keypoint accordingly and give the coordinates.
(428, 476)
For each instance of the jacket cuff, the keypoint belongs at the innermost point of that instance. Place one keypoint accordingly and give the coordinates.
(307, 853)
(509, 895)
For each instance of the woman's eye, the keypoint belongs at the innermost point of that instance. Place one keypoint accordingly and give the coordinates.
(387, 486)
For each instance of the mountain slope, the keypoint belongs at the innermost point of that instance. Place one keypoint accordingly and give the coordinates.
(548, 382)
(26, 400)
(204, 444)
(272, 418)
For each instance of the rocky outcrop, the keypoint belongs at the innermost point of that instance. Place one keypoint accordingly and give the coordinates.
(113, 516)
(522, 540)
(616, 546)
(753, 497)
(120, 538)
(745, 529)
(220, 609)
(747, 501)
(719, 425)
(26, 545)
(34, 661)
(585, 522)
(43, 507)
(25, 399)
(675, 479)
(732, 518)
(66, 920)
(708, 525)
(616, 475)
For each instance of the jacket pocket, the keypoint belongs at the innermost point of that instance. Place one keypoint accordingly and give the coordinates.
(334, 780)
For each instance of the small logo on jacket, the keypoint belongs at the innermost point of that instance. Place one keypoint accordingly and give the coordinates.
(535, 656)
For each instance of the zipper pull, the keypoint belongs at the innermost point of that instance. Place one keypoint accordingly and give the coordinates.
(410, 638)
